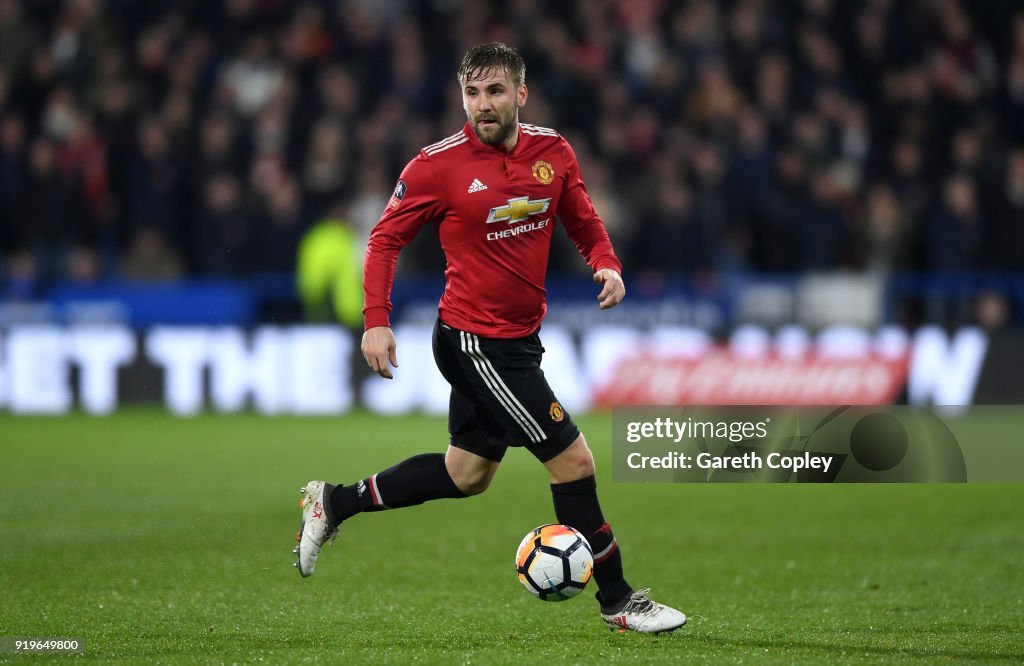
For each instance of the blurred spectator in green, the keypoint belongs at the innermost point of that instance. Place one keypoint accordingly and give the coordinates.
(330, 277)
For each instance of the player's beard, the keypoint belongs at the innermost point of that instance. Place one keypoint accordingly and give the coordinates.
(504, 130)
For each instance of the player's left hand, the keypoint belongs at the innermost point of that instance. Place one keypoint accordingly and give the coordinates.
(614, 289)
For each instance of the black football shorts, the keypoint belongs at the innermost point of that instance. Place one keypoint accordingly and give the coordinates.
(500, 397)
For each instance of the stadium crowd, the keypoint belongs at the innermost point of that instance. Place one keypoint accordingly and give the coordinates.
(193, 137)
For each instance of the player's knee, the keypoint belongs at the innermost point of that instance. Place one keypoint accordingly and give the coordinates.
(576, 462)
(472, 482)
(470, 473)
(582, 464)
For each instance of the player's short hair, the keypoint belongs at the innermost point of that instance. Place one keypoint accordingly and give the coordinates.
(484, 57)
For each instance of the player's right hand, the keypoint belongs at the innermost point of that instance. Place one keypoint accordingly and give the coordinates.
(379, 348)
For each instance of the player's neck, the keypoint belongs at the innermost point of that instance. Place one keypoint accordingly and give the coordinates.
(513, 140)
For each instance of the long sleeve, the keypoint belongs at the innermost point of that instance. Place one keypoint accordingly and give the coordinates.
(577, 214)
(418, 199)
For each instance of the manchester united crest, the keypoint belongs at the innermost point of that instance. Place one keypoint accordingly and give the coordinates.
(543, 172)
(556, 412)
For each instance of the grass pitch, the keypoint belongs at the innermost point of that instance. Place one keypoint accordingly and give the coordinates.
(162, 540)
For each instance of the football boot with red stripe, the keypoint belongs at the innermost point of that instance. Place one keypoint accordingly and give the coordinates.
(315, 529)
(640, 614)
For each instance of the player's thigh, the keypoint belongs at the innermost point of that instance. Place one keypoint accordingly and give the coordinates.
(472, 428)
(470, 425)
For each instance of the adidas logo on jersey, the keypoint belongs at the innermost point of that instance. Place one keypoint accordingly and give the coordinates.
(476, 186)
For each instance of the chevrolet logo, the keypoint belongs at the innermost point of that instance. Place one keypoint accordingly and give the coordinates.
(518, 210)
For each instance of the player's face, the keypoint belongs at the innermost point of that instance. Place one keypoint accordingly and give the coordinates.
(492, 104)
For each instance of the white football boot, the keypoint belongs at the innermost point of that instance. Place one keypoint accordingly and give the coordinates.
(315, 529)
(645, 616)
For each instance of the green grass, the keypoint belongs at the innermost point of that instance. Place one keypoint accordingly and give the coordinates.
(164, 540)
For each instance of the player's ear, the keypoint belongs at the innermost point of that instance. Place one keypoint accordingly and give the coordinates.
(521, 96)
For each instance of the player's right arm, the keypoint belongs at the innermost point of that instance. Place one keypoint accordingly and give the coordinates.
(418, 199)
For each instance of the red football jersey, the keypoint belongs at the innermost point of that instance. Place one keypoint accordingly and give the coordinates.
(495, 212)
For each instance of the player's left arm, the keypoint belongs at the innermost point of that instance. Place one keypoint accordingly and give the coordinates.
(581, 222)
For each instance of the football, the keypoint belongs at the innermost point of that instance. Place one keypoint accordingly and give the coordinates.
(554, 562)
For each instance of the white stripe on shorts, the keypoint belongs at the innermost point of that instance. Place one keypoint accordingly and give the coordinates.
(471, 347)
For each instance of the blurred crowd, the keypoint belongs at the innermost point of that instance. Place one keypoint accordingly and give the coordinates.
(161, 138)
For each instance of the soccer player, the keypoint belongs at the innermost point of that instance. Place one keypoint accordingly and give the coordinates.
(493, 190)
